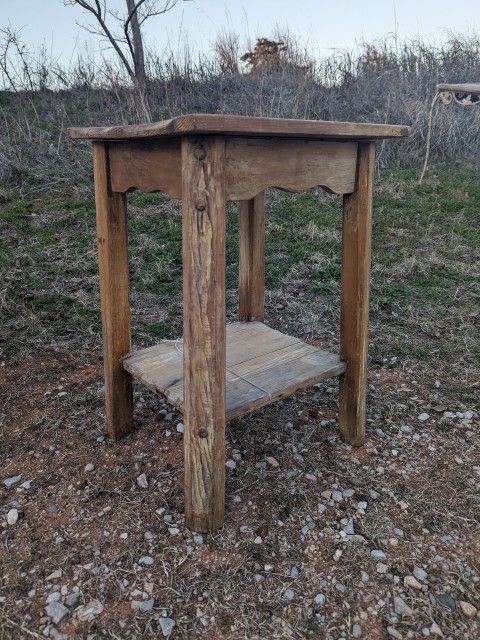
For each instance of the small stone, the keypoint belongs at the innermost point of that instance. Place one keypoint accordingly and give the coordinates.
(88, 612)
(258, 540)
(348, 493)
(168, 417)
(294, 572)
(146, 560)
(423, 417)
(142, 481)
(394, 633)
(364, 576)
(381, 568)
(447, 600)
(166, 625)
(72, 599)
(12, 516)
(413, 583)
(348, 528)
(198, 538)
(435, 630)
(268, 567)
(468, 609)
(288, 594)
(356, 631)
(173, 531)
(231, 464)
(9, 482)
(320, 599)
(326, 494)
(55, 575)
(362, 505)
(272, 462)
(337, 496)
(27, 485)
(401, 608)
(142, 605)
(56, 611)
(378, 554)
(180, 427)
(420, 574)
(54, 597)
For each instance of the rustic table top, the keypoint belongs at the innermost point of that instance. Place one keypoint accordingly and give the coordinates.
(460, 88)
(202, 124)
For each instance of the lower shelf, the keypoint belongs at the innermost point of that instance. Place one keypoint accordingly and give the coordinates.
(263, 365)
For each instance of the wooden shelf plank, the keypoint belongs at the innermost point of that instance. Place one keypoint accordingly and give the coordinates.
(263, 365)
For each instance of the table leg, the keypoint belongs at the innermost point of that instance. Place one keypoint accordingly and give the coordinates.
(112, 244)
(203, 189)
(356, 255)
(251, 228)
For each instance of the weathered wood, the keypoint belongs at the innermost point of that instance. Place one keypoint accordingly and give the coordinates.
(253, 164)
(201, 124)
(114, 294)
(355, 285)
(263, 365)
(251, 271)
(203, 189)
(147, 165)
(473, 88)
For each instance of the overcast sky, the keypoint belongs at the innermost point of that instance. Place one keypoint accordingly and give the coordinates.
(322, 25)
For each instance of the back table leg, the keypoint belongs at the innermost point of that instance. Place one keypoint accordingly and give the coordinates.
(204, 369)
(356, 254)
(251, 238)
(114, 294)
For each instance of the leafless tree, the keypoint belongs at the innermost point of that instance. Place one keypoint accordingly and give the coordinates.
(123, 32)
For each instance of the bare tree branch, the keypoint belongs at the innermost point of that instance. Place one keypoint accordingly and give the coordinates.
(126, 39)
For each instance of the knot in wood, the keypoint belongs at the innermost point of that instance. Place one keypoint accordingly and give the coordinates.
(200, 204)
(200, 153)
(202, 432)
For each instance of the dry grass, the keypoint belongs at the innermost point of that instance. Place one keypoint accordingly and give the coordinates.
(381, 82)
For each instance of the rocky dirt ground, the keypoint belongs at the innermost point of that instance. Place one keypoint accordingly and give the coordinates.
(320, 540)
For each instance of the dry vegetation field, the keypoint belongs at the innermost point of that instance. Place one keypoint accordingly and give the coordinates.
(320, 540)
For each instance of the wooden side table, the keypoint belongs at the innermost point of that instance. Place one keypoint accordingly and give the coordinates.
(221, 371)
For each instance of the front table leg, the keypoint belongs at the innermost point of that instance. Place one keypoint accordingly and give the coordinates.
(356, 255)
(114, 295)
(203, 194)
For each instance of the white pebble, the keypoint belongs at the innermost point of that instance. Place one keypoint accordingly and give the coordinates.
(12, 517)
(142, 481)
